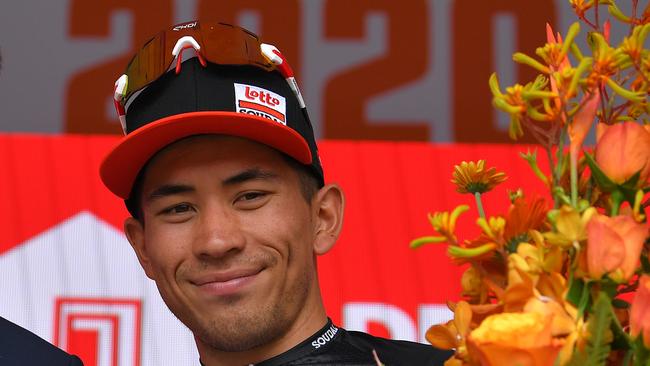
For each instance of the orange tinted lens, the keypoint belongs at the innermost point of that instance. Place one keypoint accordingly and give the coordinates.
(229, 45)
(220, 43)
(147, 65)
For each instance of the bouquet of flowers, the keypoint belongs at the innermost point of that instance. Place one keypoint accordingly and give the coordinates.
(562, 280)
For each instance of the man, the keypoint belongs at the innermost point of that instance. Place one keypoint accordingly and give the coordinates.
(220, 171)
(20, 347)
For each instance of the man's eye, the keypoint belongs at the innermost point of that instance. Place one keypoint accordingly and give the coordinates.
(249, 196)
(178, 209)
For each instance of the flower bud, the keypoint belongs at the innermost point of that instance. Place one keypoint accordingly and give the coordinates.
(622, 150)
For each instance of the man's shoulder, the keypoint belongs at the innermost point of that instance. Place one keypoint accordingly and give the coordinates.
(18, 346)
(396, 352)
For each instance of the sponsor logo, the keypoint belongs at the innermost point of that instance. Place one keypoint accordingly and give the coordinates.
(184, 26)
(325, 337)
(260, 102)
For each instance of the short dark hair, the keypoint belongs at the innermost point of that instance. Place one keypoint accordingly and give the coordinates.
(309, 185)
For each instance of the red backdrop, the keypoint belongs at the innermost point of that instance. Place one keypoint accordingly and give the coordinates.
(370, 280)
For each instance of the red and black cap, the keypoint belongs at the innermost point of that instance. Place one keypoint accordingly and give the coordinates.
(243, 100)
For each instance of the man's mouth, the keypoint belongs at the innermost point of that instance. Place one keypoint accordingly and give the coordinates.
(224, 283)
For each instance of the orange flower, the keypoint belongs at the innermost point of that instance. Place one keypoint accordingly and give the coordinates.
(522, 339)
(582, 121)
(451, 335)
(472, 177)
(473, 287)
(613, 246)
(622, 150)
(562, 321)
(522, 217)
(640, 312)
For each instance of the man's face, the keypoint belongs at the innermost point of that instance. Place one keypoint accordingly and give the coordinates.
(228, 238)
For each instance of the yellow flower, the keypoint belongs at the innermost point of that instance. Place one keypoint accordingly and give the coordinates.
(444, 223)
(571, 226)
(607, 62)
(528, 259)
(554, 52)
(472, 177)
(552, 256)
(517, 99)
(581, 6)
(493, 227)
(633, 44)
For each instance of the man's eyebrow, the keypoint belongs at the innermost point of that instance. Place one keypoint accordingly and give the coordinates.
(168, 190)
(249, 174)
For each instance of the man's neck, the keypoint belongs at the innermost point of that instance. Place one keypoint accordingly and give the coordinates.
(301, 329)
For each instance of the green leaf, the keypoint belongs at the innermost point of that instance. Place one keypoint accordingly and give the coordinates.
(600, 336)
(599, 323)
(629, 187)
(641, 354)
(620, 304)
(645, 264)
(609, 287)
(599, 176)
(575, 291)
(632, 181)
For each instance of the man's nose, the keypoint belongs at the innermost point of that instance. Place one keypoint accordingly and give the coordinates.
(219, 233)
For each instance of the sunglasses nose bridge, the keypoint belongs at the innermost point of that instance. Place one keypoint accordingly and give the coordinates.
(181, 45)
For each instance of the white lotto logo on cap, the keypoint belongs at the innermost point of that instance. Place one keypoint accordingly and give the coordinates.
(260, 102)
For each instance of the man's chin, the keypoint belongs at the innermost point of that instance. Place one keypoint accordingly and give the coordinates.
(239, 331)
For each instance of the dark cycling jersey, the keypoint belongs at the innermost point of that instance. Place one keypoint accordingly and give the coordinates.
(332, 346)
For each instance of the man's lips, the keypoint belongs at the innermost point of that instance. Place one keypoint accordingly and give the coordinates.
(226, 282)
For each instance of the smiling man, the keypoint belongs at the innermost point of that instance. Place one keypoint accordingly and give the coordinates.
(220, 171)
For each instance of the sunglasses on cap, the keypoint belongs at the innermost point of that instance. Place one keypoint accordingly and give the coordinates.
(214, 42)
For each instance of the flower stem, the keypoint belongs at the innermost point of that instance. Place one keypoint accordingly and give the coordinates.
(551, 166)
(617, 199)
(619, 329)
(479, 205)
(584, 300)
(574, 178)
(628, 357)
(560, 157)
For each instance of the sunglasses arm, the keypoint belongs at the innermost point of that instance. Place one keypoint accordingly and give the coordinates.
(273, 55)
(118, 97)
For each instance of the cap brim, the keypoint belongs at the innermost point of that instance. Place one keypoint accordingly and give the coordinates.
(121, 166)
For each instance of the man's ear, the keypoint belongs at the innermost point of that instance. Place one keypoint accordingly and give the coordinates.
(134, 231)
(328, 205)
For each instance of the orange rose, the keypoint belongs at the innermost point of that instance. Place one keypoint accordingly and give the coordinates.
(522, 339)
(613, 246)
(622, 150)
(640, 311)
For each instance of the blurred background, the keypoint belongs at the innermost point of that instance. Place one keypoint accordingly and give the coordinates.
(369, 69)
(409, 73)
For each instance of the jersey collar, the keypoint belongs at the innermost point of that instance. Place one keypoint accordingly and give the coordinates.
(317, 342)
